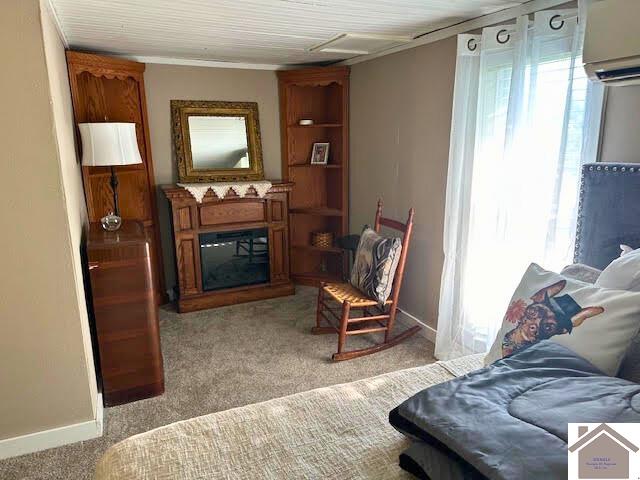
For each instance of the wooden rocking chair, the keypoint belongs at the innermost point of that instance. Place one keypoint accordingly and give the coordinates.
(374, 317)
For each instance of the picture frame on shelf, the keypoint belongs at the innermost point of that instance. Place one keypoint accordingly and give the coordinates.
(320, 154)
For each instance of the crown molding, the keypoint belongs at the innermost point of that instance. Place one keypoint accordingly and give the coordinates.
(462, 27)
(48, 5)
(203, 63)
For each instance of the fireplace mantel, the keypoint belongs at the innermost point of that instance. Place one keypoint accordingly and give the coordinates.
(231, 214)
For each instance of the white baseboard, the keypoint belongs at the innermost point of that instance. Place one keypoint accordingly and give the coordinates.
(99, 416)
(426, 331)
(55, 437)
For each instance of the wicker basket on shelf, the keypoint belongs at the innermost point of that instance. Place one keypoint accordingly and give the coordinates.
(322, 239)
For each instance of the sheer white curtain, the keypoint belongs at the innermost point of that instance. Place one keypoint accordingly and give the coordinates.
(525, 118)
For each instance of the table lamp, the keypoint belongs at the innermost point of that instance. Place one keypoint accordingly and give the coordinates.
(110, 145)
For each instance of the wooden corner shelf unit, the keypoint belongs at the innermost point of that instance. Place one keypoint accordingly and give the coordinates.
(319, 198)
(107, 89)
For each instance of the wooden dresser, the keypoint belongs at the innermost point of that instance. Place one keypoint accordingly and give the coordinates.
(193, 221)
(125, 313)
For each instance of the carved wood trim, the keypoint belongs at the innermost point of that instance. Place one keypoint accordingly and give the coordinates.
(101, 62)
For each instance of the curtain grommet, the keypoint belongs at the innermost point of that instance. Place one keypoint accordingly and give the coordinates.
(502, 42)
(472, 45)
(560, 25)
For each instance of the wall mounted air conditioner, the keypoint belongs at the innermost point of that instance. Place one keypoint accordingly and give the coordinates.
(612, 42)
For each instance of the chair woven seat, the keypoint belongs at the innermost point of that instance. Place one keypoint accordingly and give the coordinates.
(370, 317)
(345, 292)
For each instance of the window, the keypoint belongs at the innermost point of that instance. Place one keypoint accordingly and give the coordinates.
(525, 120)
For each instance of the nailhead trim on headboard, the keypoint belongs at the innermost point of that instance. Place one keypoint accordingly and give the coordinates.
(605, 168)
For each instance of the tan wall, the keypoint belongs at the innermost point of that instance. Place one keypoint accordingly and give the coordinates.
(173, 82)
(47, 378)
(620, 141)
(400, 122)
(70, 171)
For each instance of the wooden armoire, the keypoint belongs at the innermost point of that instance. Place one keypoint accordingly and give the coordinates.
(107, 89)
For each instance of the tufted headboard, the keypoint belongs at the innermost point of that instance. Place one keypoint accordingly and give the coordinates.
(608, 213)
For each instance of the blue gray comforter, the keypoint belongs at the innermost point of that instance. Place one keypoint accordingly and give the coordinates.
(509, 420)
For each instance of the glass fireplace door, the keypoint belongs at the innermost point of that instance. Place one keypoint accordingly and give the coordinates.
(234, 259)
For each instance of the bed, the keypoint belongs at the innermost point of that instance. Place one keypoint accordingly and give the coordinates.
(339, 432)
(343, 432)
(509, 420)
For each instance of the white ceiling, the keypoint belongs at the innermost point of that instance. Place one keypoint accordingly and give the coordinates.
(250, 31)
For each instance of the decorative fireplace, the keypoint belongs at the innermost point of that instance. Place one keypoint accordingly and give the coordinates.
(243, 267)
(234, 259)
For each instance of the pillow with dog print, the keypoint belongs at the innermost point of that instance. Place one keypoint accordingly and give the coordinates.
(596, 323)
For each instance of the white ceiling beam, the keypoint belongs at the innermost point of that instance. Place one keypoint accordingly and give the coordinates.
(462, 27)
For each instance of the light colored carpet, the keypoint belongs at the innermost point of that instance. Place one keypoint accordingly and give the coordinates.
(223, 358)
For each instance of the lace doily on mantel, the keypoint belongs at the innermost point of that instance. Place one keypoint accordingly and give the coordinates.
(199, 190)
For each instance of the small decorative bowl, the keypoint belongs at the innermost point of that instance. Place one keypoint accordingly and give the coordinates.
(305, 121)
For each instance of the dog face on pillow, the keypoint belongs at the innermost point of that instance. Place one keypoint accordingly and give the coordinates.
(547, 314)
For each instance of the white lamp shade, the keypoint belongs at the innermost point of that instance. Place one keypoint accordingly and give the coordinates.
(109, 144)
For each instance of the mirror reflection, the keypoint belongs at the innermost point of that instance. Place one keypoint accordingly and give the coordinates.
(218, 142)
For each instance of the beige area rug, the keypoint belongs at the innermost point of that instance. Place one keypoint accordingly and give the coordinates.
(220, 359)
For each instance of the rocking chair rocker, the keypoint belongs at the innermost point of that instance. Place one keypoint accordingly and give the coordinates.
(375, 318)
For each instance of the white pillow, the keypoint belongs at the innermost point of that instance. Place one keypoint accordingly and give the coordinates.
(596, 323)
(624, 249)
(623, 273)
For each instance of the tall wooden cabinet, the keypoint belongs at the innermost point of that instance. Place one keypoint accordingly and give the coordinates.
(320, 198)
(125, 313)
(106, 89)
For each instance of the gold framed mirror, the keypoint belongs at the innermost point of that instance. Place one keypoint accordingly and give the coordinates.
(216, 141)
